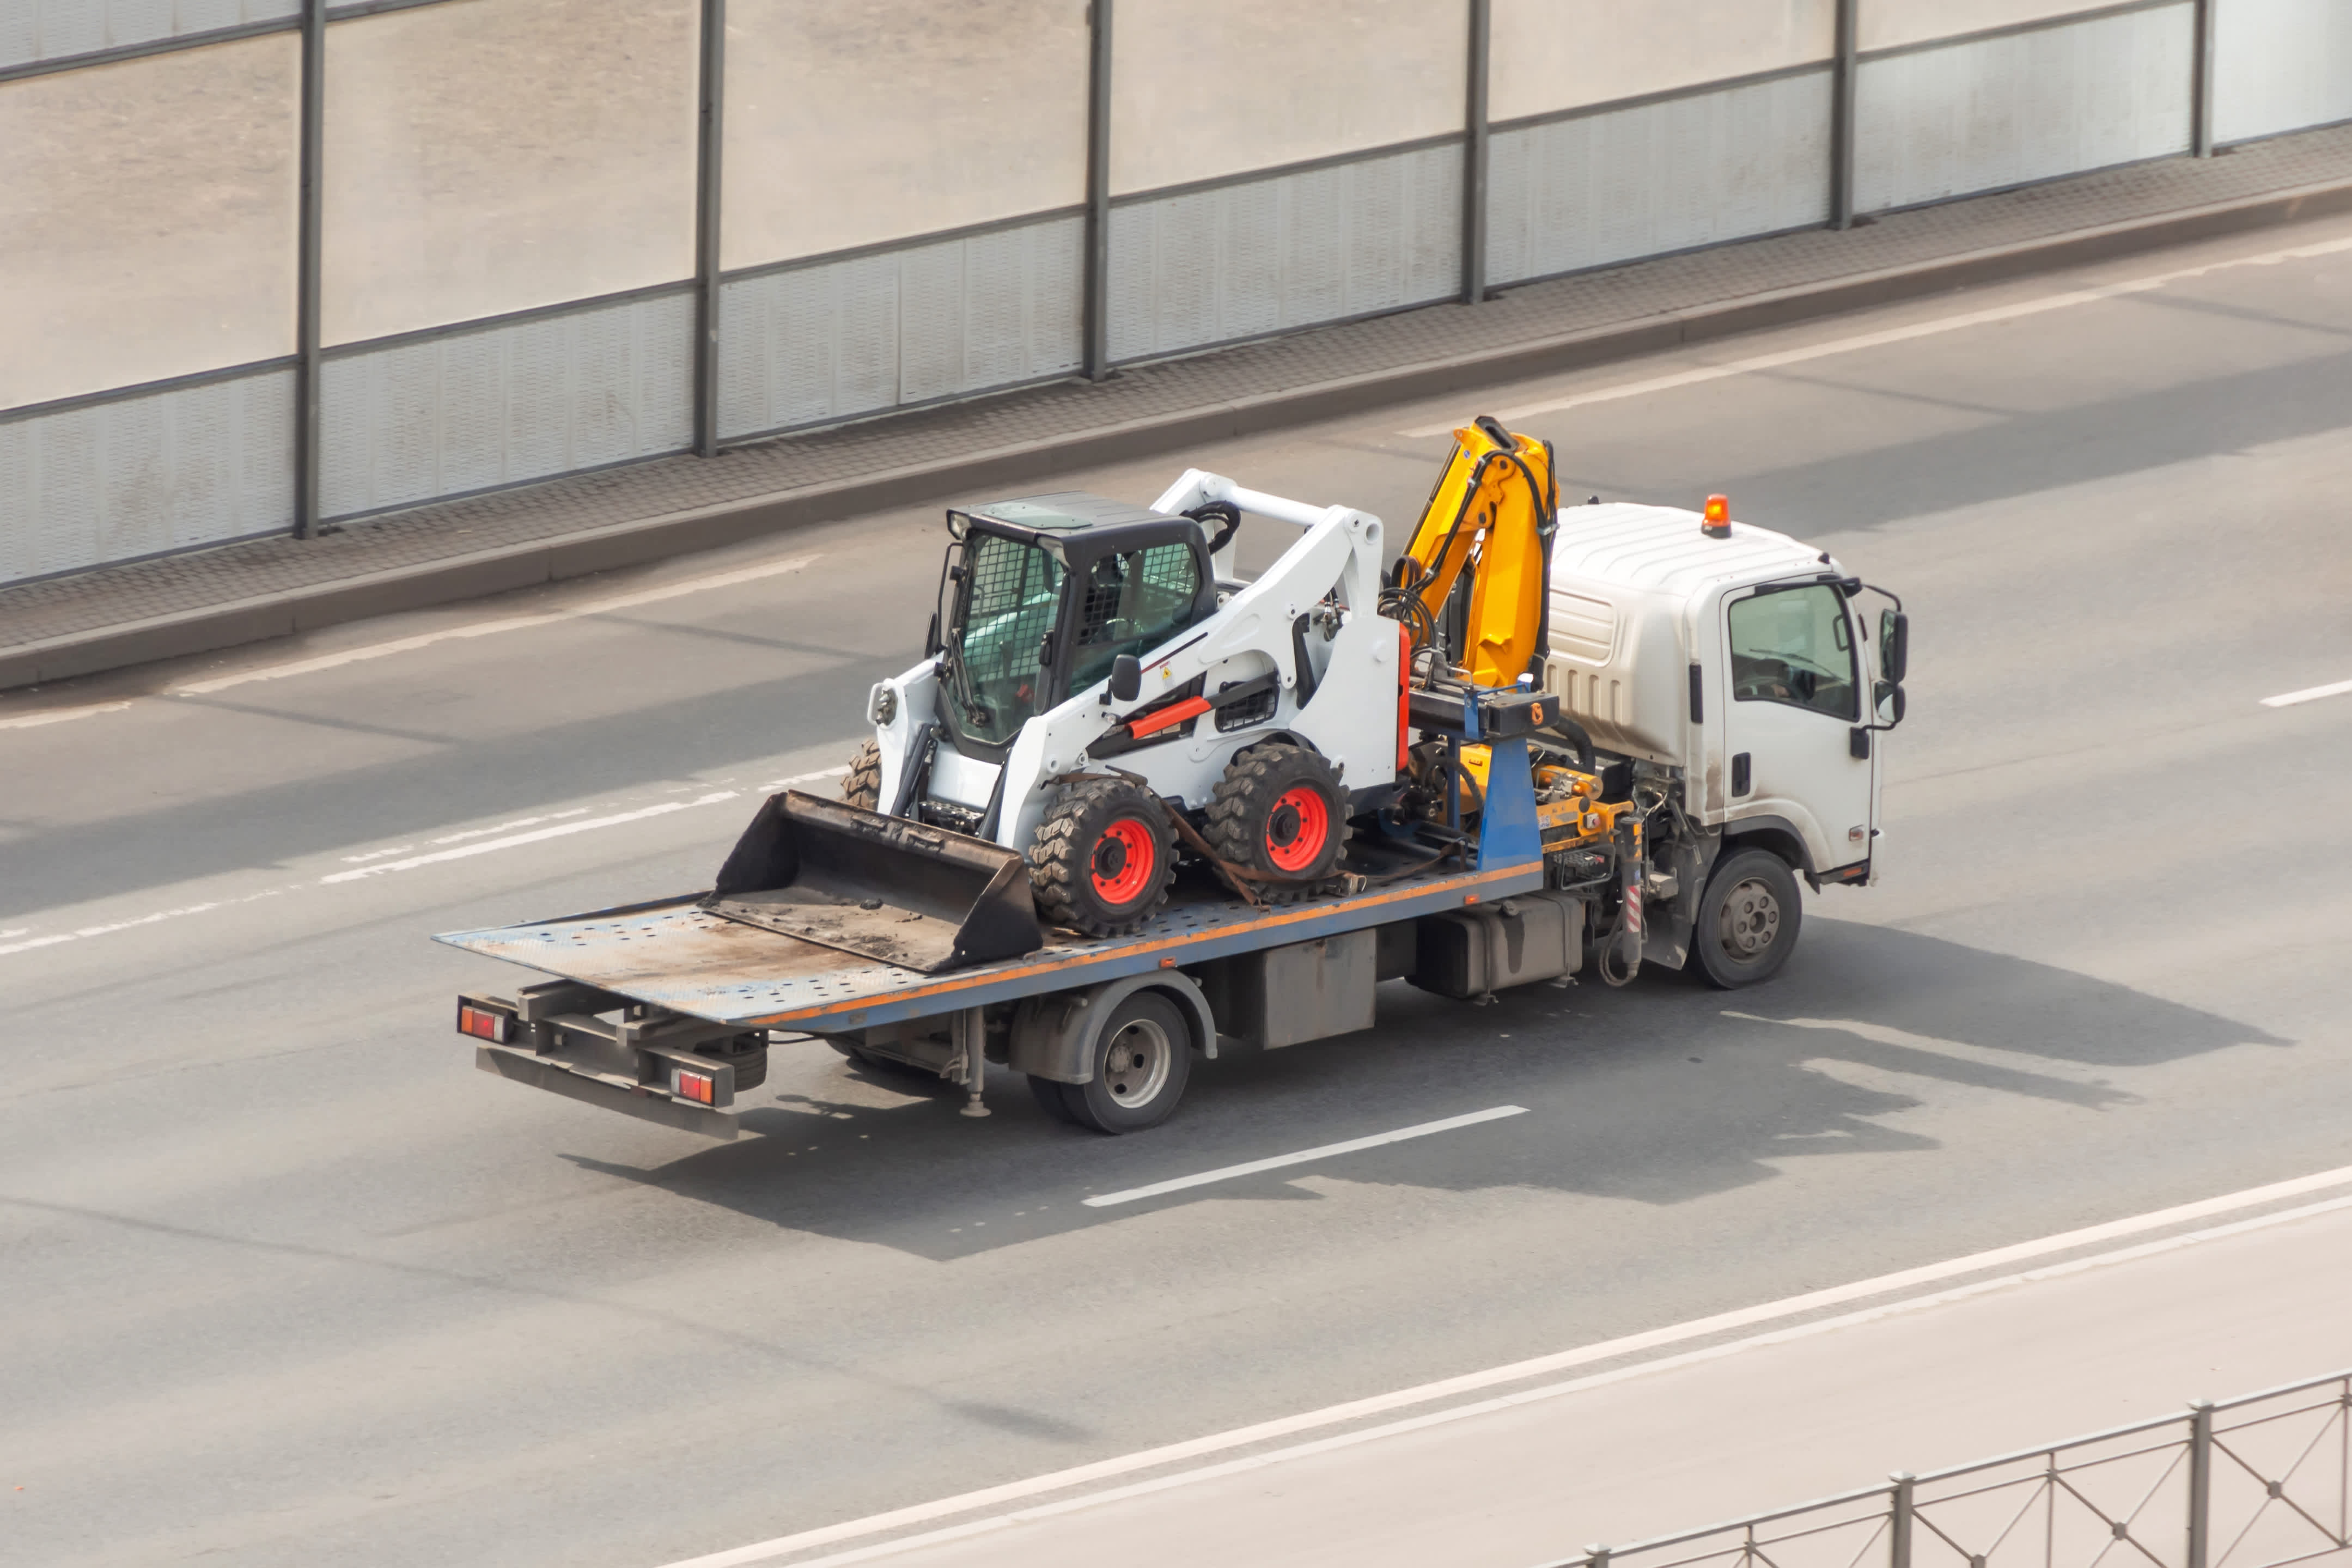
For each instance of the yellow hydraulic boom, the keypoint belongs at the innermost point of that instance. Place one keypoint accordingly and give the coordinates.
(1494, 505)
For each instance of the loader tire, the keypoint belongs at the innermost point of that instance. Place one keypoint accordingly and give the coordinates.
(862, 784)
(1279, 810)
(1103, 858)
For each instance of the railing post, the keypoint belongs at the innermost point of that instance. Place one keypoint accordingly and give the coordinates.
(1475, 123)
(2201, 1481)
(710, 143)
(1096, 352)
(1596, 1556)
(2200, 81)
(1841, 90)
(1898, 1520)
(309, 223)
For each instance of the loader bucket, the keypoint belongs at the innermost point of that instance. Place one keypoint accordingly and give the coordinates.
(907, 893)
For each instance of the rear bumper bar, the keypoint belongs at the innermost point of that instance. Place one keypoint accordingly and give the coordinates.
(630, 1100)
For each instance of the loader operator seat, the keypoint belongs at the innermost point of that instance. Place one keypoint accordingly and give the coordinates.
(1134, 601)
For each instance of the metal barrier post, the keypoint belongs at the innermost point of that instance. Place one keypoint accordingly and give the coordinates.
(1475, 123)
(1596, 1557)
(1096, 265)
(2200, 81)
(1842, 85)
(2201, 1481)
(1898, 1520)
(709, 144)
(309, 222)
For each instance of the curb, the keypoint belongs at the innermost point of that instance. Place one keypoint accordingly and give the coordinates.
(643, 540)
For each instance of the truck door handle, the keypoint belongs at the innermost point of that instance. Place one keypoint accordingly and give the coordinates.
(1739, 773)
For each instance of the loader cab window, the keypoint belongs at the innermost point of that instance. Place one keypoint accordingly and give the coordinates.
(1132, 602)
(1794, 646)
(1009, 599)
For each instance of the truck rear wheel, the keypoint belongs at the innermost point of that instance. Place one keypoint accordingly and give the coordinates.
(862, 784)
(1104, 858)
(1142, 1056)
(1279, 810)
(1748, 919)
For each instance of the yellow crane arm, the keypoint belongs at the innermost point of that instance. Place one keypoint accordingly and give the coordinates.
(1495, 503)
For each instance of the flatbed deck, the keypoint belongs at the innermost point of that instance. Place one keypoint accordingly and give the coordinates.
(672, 955)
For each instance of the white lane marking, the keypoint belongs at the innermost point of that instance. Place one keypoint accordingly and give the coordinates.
(109, 927)
(2308, 694)
(60, 716)
(1699, 1328)
(489, 846)
(1917, 329)
(507, 826)
(364, 862)
(800, 778)
(1276, 1162)
(1574, 1386)
(491, 628)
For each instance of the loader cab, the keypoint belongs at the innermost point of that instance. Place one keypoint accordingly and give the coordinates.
(1040, 594)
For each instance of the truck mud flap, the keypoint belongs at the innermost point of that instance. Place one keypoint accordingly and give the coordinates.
(882, 887)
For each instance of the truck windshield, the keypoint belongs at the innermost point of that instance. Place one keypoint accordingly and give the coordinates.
(1012, 591)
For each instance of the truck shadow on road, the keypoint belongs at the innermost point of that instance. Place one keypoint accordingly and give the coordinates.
(1665, 1092)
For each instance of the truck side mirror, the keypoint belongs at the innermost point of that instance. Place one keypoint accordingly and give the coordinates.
(1126, 678)
(1893, 645)
(1889, 699)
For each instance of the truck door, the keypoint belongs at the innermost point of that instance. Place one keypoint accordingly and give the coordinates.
(1796, 685)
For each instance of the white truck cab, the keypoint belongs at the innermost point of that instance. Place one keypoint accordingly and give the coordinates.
(1734, 660)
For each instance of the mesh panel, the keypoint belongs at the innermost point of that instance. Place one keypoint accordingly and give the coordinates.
(1015, 590)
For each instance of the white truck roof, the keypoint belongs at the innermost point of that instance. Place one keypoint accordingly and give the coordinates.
(1625, 582)
(1659, 549)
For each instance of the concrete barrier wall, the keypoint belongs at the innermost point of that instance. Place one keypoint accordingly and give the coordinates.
(1936, 121)
(510, 286)
(171, 467)
(448, 413)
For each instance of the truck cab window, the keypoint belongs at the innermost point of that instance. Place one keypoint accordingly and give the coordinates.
(1133, 603)
(1794, 646)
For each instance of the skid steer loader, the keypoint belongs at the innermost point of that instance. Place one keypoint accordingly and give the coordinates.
(1101, 695)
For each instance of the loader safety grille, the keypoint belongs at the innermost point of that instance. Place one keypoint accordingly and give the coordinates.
(1010, 604)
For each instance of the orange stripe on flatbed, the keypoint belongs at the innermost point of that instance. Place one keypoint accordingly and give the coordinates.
(1296, 915)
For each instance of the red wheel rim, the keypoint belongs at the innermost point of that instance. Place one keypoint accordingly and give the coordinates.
(1297, 828)
(1125, 859)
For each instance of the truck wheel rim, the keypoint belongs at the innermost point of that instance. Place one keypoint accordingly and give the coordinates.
(1123, 861)
(1296, 829)
(1750, 921)
(1135, 1063)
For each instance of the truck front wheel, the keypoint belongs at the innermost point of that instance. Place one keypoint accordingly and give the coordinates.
(1142, 1056)
(1748, 919)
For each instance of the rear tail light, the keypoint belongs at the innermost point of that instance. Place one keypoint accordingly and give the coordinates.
(485, 1022)
(687, 1084)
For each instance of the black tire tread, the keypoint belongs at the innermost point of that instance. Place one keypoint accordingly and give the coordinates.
(1061, 852)
(862, 784)
(1252, 782)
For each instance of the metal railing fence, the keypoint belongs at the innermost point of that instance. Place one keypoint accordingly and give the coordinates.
(2259, 1481)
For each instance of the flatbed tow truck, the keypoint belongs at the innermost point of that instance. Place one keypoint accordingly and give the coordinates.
(1683, 725)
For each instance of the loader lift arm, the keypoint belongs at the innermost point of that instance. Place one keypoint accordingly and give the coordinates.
(1494, 503)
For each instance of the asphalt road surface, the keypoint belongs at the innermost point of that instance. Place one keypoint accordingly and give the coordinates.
(284, 1281)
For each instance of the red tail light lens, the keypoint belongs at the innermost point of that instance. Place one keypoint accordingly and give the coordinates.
(485, 1023)
(689, 1084)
